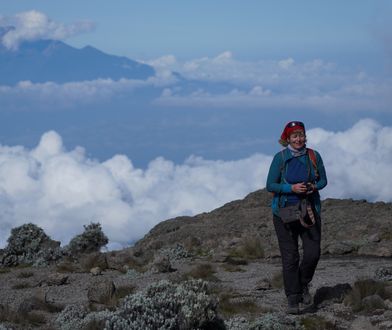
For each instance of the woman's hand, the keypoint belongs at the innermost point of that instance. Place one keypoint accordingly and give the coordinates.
(302, 188)
(299, 188)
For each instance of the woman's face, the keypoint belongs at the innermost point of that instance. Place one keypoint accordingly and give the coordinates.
(297, 139)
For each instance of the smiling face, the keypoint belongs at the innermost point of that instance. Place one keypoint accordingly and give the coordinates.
(297, 139)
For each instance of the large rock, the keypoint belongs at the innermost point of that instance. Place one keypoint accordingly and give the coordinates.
(101, 291)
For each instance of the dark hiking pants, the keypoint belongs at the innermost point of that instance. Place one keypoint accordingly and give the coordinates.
(298, 274)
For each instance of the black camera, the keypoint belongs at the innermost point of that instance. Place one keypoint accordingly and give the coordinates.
(309, 186)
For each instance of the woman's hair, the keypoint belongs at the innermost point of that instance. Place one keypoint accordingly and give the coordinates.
(284, 143)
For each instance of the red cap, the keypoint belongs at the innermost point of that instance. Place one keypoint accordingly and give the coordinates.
(291, 127)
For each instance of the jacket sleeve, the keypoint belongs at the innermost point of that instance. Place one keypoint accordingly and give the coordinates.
(274, 177)
(322, 182)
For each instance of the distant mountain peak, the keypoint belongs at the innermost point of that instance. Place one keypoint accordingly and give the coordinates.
(53, 60)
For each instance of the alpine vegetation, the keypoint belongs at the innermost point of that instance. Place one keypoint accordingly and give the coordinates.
(165, 305)
(28, 244)
(91, 240)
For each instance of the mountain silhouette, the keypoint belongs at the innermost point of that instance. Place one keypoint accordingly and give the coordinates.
(51, 60)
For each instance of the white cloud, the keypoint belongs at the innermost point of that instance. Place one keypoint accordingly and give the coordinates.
(357, 160)
(315, 85)
(34, 25)
(222, 82)
(55, 96)
(61, 190)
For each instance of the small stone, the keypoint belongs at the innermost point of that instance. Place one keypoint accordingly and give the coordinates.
(388, 304)
(339, 248)
(55, 279)
(374, 238)
(95, 271)
(263, 285)
(362, 323)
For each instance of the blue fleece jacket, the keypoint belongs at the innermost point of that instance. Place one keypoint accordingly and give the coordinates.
(277, 184)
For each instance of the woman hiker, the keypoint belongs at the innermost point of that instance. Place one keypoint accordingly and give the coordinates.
(295, 177)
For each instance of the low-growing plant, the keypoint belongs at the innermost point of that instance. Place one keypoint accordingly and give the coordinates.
(235, 261)
(25, 274)
(230, 305)
(33, 318)
(25, 319)
(76, 316)
(249, 248)
(316, 322)
(124, 290)
(362, 289)
(67, 267)
(165, 305)
(92, 260)
(4, 270)
(95, 325)
(201, 252)
(273, 321)
(202, 271)
(139, 263)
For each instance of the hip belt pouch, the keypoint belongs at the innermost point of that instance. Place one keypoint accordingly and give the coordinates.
(290, 213)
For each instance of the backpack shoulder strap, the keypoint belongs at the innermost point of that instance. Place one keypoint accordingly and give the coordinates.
(283, 162)
(282, 165)
(313, 159)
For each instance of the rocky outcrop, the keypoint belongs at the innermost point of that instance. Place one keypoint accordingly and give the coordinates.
(350, 227)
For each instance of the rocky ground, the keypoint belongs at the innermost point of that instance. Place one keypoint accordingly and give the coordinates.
(234, 250)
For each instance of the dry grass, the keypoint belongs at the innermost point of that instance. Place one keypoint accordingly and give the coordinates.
(24, 275)
(316, 322)
(249, 248)
(235, 261)
(127, 261)
(230, 305)
(92, 260)
(277, 280)
(67, 267)
(232, 268)
(4, 270)
(123, 291)
(26, 319)
(365, 288)
(95, 325)
(21, 285)
(202, 271)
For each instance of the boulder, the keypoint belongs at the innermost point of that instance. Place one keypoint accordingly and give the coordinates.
(101, 291)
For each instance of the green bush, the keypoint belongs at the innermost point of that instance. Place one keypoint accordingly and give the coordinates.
(91, 240)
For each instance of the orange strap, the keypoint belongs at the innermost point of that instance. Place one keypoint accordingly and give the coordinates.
(313, 159)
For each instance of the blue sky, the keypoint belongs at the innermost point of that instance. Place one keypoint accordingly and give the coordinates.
(204, 28)
(131, 153)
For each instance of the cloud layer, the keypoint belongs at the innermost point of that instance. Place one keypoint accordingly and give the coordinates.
(34, 25)
(316, 84)
(61, 190)
(221, 82)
